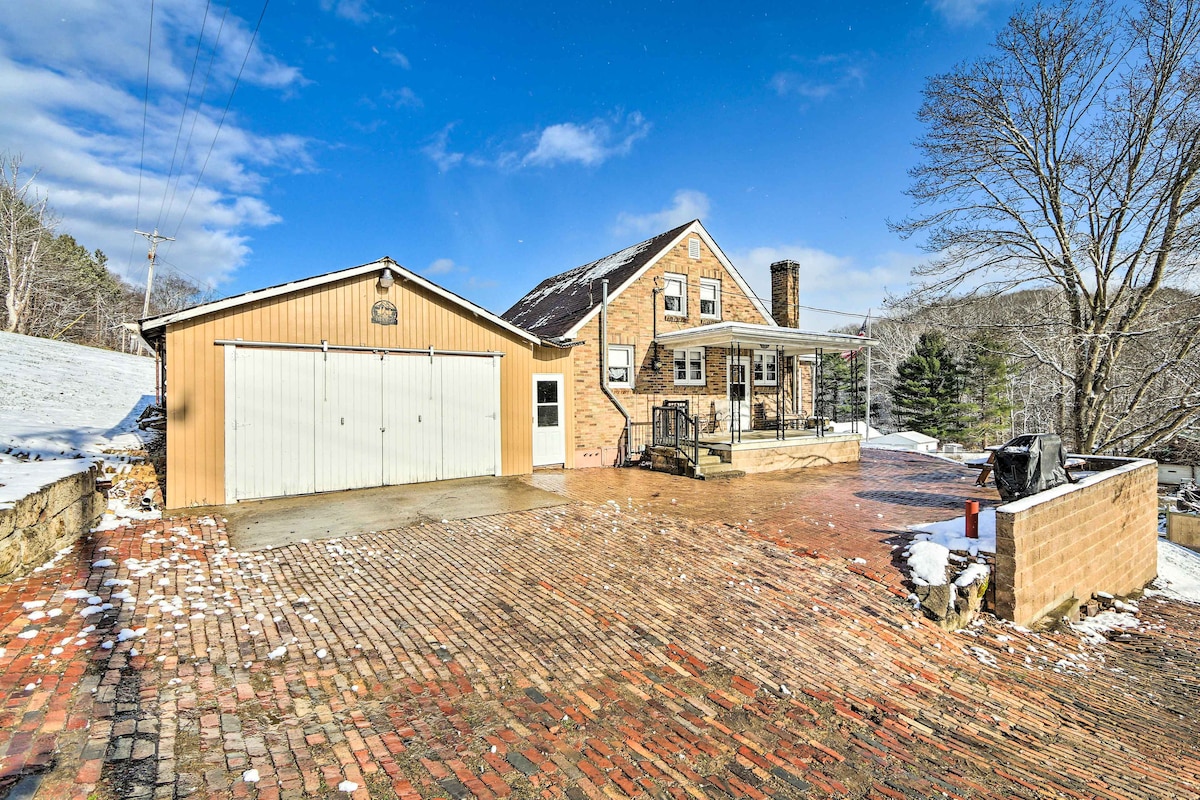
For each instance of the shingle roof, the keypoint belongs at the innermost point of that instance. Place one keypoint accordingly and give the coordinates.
(558, 303)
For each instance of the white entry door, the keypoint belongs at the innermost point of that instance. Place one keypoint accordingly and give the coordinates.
(549, 421)
(737, 392)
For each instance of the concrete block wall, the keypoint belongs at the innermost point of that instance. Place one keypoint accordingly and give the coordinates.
(1099, 535)
(40, 524)
(631, 321)
(1184, 529)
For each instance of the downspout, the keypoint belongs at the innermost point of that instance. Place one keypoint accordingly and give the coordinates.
(604, 365)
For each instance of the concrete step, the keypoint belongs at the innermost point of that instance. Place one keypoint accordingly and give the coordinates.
(719, 472)
(709, 460)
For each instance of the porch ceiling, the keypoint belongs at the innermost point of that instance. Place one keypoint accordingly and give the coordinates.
(795, 342)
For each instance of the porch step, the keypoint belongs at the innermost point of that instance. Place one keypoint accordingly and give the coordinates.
(715, 472)
(709, 460)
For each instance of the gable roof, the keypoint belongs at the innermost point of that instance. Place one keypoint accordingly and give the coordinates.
(560, 305)
(162, 320)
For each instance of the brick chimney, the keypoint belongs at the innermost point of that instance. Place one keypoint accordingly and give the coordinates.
(785, 293)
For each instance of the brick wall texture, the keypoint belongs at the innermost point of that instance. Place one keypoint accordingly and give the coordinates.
(1184, 529)
(598, 425)
(1102, 537)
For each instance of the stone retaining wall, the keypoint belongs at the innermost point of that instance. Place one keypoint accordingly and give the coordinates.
(47, 520)
(1098, 535)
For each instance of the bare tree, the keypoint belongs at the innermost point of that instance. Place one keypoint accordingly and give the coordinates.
(25, 226)
(1068, 158)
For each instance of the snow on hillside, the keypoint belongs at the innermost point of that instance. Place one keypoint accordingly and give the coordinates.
(60, 400)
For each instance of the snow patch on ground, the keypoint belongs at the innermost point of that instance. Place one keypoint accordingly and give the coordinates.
(928, 561)
(951, 534)
(1094, 628)
(63, 400)
(20, 479)
(63, 407)
(1178, 573)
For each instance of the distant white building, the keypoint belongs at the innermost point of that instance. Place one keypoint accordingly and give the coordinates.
(904, 440)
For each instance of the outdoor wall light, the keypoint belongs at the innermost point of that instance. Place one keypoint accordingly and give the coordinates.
(385, 279)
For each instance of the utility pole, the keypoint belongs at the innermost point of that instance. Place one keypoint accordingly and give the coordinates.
(154, 239)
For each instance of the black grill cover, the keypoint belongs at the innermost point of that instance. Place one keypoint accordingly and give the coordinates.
(1030, 464)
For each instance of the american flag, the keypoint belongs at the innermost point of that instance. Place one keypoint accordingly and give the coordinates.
(862, 333)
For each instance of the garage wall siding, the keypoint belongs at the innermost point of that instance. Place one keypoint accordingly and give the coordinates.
(341, 314)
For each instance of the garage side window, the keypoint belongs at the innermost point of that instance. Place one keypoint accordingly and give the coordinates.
(620, 366)
(547, 404)
(689, 367)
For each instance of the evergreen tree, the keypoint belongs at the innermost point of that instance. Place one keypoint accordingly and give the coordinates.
(926, 394)
(986, 376)
(835, 386)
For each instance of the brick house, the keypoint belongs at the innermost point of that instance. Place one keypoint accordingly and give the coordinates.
(684, 326)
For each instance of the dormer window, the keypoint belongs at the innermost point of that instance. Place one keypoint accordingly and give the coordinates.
(710, 298)
(675, 295)
(694, 248)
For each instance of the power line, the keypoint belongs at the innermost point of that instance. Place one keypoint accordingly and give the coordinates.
(221, 123)
(137, 217)
(187, 147)
(183, 115)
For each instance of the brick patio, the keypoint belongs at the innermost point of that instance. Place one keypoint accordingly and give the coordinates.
(637, 647)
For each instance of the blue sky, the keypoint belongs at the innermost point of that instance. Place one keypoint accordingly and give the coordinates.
(483, 146)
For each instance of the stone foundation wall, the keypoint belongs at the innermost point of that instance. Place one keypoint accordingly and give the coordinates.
(37, 526)
(1099, 535)
(771, 459)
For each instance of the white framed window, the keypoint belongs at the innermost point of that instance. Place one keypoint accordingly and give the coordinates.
(675, 294)
(689, 367)
(766, 369)
(620, 366)
(710, 298)
(694, 248)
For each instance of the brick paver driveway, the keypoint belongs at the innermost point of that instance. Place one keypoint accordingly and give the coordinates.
(624, 648)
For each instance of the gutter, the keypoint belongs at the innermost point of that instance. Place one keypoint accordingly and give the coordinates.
(604, 365)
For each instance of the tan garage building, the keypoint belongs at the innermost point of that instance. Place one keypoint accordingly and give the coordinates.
(368, 376)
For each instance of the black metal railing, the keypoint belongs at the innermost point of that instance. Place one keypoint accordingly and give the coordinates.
(674, 427)
(634, 442)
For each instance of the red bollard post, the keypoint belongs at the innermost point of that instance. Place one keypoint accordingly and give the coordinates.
(972, 519)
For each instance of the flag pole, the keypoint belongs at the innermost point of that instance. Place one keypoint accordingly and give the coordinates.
(867, 432)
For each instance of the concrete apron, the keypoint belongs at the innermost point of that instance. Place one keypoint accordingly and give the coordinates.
(255, 524)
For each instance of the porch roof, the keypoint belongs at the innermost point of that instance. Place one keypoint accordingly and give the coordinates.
(795, 342)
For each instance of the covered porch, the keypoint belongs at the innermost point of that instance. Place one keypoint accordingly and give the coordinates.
(766, 424)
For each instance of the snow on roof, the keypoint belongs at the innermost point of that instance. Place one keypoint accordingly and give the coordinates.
(907, 436)
(557, 303)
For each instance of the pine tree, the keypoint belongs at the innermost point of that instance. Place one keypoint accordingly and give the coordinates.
(986, 376)
(927, 393)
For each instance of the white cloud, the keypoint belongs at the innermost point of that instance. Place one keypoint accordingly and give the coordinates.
(829, 281)
(961, 12)
(686, 205)
(821, 77)
(439, 150)
(442, 266)
(588, 144)
(74, 109)
(393, 56)
(358, 11)
(403, 97)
